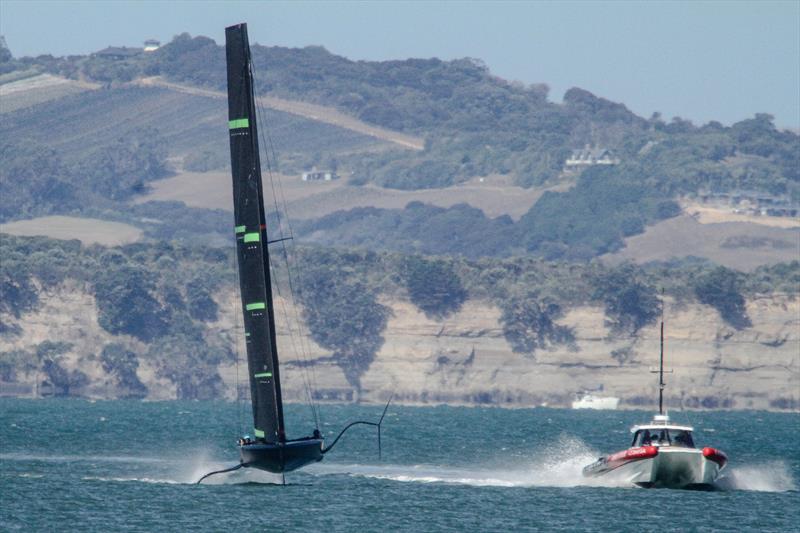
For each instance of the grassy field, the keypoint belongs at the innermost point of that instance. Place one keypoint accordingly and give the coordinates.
(494, 195)
(739, 245)
(33, 90)
(77, 124)
(86, 230)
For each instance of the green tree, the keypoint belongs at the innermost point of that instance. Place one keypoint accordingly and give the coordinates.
(529, 323)
(721, 289)
(630, 302)
(63, 380)
(344, 316)
(201, 305)
(190, 364)
(125, 301)
(123, 168)
(122, 363)
(434, 286)
(17, 293)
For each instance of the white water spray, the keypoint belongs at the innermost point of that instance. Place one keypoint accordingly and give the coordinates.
(772, 476)
(559, 466)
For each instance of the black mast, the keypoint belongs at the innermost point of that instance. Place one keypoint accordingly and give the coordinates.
(251, 241)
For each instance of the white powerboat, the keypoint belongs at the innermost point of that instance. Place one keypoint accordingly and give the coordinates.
(590, 401)
(661, 454)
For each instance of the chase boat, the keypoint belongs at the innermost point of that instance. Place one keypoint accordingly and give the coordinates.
(661, 454)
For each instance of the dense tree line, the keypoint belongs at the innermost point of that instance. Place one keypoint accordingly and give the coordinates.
(37, 180)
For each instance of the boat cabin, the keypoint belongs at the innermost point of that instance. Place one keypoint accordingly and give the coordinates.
(661, 433)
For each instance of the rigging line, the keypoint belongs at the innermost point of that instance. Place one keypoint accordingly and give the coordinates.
(309, 369)
(303, 353)
(304, 335)
(310, 379)
(285, 315)
(238, 330)
(237, 317)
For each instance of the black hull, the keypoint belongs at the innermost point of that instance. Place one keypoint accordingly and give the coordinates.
(281, 457)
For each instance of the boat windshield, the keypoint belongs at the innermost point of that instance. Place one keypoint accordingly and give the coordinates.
(663, 437)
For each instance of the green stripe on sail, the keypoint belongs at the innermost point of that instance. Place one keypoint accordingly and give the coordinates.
(252, 237)
(263, 375)
(258, 433)
(255, 306)
(240, 229)
(238, 123)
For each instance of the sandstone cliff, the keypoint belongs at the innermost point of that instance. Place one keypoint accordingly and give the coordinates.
(465, 359)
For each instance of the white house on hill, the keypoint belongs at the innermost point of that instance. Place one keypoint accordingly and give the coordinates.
(589, 156)
(319, 175)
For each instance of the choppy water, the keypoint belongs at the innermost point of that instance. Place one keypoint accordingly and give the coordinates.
(117, 465)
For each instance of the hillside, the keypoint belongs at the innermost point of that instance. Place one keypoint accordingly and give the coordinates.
(398, 132)
(457, 258)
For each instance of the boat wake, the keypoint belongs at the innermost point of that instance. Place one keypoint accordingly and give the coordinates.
(80, 458)
(560, 466)
(772, 476)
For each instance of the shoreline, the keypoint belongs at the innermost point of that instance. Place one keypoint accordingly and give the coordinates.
(367, 403)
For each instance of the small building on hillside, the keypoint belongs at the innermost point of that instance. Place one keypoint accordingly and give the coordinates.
(319, 175)
(118, 52)
(589, 156)
(752, 202)
(151, 45)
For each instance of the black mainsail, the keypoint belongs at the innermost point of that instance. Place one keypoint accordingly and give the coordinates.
(270, 449)
(251, 241)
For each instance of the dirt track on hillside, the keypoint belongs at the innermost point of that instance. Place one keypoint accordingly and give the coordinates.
(319, 113)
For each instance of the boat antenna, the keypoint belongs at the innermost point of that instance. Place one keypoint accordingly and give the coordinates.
(661, 372)
(661, 383)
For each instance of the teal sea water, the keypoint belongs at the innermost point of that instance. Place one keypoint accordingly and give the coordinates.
(123, 465)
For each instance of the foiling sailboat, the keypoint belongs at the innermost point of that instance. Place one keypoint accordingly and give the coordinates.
(269, 448)
(661, 454)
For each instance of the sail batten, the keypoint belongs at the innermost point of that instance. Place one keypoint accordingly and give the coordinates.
(251, 239)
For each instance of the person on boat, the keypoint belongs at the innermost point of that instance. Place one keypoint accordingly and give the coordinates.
(683, 439)
(660, 439)
(317, 434)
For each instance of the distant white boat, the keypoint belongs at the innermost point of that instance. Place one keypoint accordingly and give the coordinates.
(589, 401)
